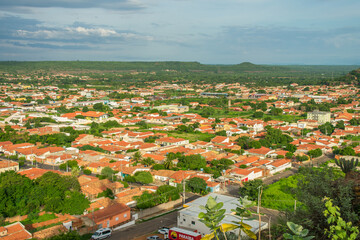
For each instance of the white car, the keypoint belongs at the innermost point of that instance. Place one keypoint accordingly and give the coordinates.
(163, 230)
(102, 233)
(154, 238)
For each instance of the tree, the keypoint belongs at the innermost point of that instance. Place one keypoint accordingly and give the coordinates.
(75, 203)
(221, 133)
(258, 114)
(147, 161)
(107, 193)
(212, 217)
(143, 177)
(197, 185)
(327, 128)
(87, 171)
(276, 111)
(339, 229)
(315, 153)
(75, 172)
(291, 148)
(193, 162)
(168, 164)
(315, 183)
(85, 109)
(340, 125)
(137, 156)
(298, 232)
(289, 155)
(107, 172)
(251, 188)
(168, 193)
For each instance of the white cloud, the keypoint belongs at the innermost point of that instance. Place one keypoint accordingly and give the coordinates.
(102, 32)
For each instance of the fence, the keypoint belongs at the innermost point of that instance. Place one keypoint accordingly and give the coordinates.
(159, 208)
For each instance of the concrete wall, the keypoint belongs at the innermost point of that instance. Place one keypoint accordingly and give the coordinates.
(159, 208)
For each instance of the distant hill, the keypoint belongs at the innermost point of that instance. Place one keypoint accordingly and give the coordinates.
(132, 66)
(353, 77)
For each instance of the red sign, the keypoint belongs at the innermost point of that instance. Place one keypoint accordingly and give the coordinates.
(181, 234)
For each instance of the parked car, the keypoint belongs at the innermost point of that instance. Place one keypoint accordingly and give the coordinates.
(154, 238)
(102, 233)
(163, 230)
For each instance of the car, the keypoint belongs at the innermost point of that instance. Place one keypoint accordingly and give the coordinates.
(163, 230)
(101, 233)
(153, 238)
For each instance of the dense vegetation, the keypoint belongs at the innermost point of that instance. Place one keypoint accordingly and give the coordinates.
(163, 194)
(308, 188)
(54, 193)
(110, 75)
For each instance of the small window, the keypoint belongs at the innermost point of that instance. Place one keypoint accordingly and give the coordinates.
(193, 222)
(116, 219)
(184, 220)
(125, 215)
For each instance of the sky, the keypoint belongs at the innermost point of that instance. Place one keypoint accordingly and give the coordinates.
(319, 32)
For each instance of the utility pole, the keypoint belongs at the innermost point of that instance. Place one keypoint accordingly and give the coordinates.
(183, 189)
(269, 227)
(259, 201)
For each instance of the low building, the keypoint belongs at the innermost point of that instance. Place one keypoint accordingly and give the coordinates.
(6, 165)
(14, 231)
(111, 216)
(188, 217)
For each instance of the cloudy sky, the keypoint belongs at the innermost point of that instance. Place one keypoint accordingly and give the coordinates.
(208, 31)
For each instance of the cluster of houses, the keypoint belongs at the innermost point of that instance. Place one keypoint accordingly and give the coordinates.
(120, 145)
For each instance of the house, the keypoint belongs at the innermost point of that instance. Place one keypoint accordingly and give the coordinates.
(242, 175)
(262, 152)
(178, 177)
(15, 231)
(162, 175)
(221, 140)
(127, 196)
(169, 141)
(213, 186)
(279, 165)
(92, 186)
(111, 216)
(7, 165)
(34, 173)
(156, 157)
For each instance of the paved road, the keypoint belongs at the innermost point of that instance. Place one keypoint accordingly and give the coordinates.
(168, 220)
(150, 226)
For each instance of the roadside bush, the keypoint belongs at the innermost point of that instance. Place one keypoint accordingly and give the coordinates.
(87, 171)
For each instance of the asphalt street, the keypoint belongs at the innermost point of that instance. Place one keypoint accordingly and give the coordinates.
(150, 226)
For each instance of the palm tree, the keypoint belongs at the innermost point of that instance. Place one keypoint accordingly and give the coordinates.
(168, 164)
(137, 156)
(148, 161)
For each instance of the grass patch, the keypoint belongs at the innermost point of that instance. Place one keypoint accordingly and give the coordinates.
(280, 195)
(39, 219)
(44, 227)
(193, 137)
